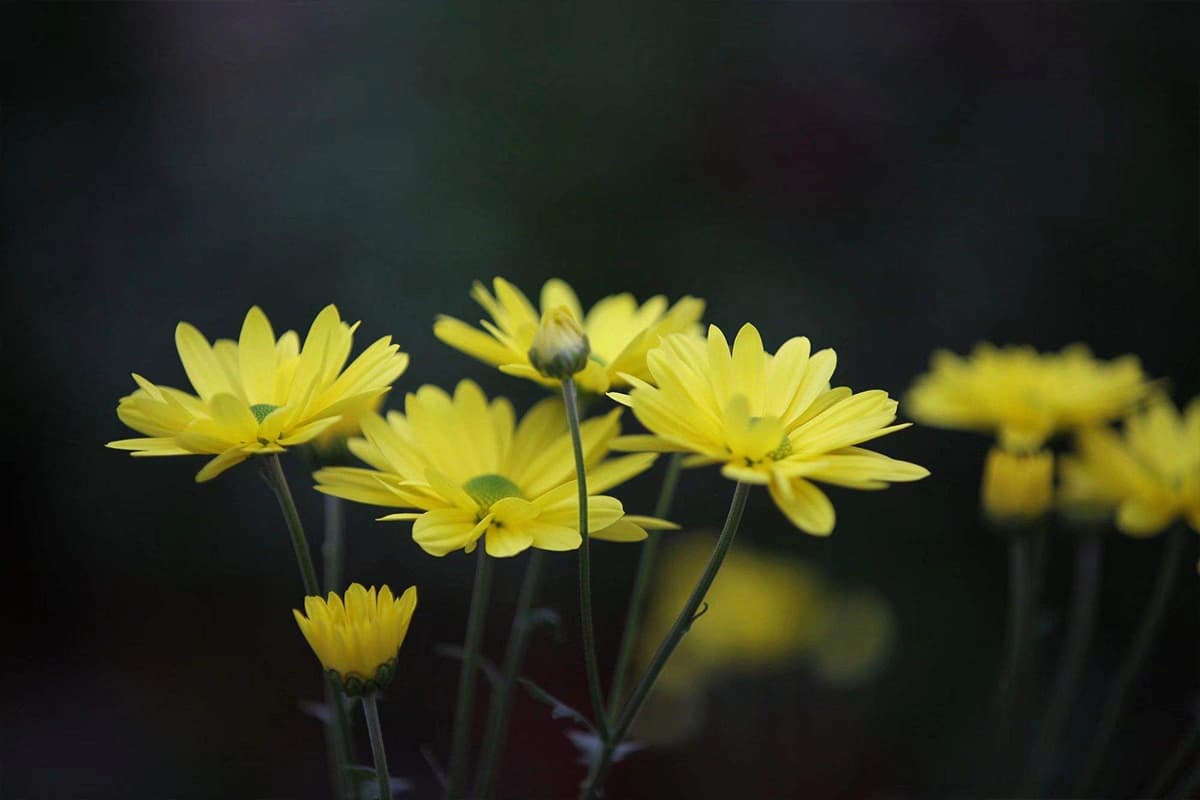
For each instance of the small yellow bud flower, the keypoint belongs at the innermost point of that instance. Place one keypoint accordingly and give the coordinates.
(560, 347)
(357, 640)
(1017, 487)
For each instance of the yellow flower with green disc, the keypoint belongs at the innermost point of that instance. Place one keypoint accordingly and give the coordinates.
(259, 394)
(1024, 396)
(772, 420)
(358, 638)
(619, 330)
(1149, 473)
(474, 472)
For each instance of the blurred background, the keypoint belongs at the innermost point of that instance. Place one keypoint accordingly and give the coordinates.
(884, 179)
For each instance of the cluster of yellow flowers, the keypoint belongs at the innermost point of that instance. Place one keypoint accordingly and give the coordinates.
(463, 468)
(1148, 475)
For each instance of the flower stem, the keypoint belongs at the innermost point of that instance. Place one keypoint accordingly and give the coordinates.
(1134, 660)
(514, 656)
(1085, 589)
(371, 712)
(332, 554)
(683, 622)
(1020, 595)
(641, 582)
(571, 400)
(338, 738)
(272, 472)
(461, 737)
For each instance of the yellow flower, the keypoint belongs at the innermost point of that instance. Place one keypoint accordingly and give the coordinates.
(1150, 474)
(619, 331)
(1022, 395)
(474, 472)
(257, 395)
(768, 419)
(358, 639)
(1017, 487)
(560, 348)
(764, 612)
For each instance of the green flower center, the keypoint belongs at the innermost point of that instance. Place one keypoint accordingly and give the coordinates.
(260, 411)
(487, 489)
(783, 451)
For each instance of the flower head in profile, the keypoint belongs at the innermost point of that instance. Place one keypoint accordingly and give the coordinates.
(619, 331)
(1017, 487)
(1149, 473)
(767, 419)
(259, 394)
(1024, 396)
(473, 471)
(357, 639)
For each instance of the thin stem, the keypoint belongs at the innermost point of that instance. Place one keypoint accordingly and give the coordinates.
(1085, 589)
(1020, 594)
(641, 583)
(272, 472)
(1190, 739)
(514, 656)
(461, 737)
(571, 400)
(682, 623)
(332, 555)
(337, 735)
(333, 549)
(371, 712)
(1134, 660)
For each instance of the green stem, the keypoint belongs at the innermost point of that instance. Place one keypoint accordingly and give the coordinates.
(682, 623)
(641, 583)
(571, 400)
(333, 549)
(1190, 738)
(514, 656)
(461, 736)
(1134, 660)
(332, 556)
(272, 472)
(337, 734)
(371, 712)
(1085, 589)
(1020, 594)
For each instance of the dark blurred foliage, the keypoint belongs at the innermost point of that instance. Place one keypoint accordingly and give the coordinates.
(884, 179)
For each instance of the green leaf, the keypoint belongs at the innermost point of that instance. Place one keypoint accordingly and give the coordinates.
(490, 670)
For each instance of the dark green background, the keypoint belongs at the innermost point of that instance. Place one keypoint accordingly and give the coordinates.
(884, 179)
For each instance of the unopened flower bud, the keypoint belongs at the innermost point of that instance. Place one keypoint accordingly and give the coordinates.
(560, 348)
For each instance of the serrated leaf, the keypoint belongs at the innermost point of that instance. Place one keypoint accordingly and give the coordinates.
(558, 709)
(590, 747)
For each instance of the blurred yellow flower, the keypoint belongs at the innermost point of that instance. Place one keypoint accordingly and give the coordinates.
(1024, 396)
(768, 419)
(1017, 487)
(620, 331)
(765, 612)
(1150, 474)
(358, 639)
(348, 424)
(474, 472)
(259, 394)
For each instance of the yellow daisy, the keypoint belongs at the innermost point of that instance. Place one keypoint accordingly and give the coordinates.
(1022, 395)
(1150, 474)
(619, 331)
(473, 471)
(768, 419)
(259, 394)
(358, 639)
